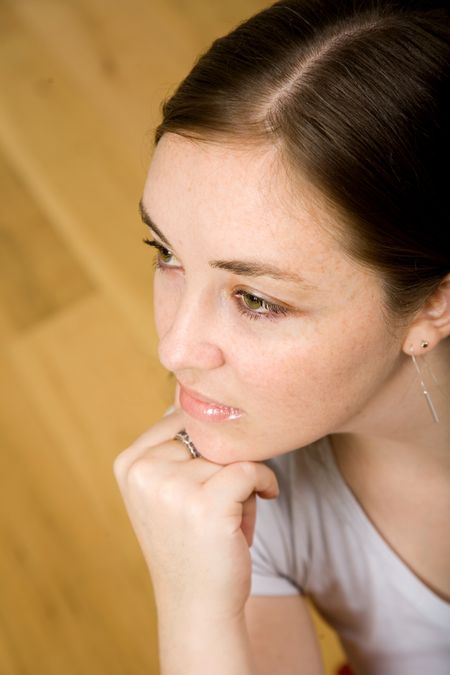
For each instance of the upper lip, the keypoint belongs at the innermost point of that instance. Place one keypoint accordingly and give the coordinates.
(205, 399)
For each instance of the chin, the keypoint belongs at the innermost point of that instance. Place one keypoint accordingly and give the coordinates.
(215, 449)
(228, 442)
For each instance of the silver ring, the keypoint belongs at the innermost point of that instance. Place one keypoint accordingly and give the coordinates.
(183, 436)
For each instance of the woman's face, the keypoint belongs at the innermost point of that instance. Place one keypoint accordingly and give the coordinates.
(257, 307)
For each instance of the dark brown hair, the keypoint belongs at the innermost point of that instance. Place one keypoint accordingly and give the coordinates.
(355, 94)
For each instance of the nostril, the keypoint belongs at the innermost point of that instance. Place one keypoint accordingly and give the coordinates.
(176, 353)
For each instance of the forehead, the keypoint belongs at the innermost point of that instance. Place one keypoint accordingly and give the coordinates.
(226, 202)
(245, 188)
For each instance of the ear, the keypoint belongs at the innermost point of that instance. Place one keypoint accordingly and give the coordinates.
(432, 323)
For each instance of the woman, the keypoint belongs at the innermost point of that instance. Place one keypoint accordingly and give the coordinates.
(297, 201)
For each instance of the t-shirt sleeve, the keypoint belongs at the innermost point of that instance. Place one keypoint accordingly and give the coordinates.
(274, 567)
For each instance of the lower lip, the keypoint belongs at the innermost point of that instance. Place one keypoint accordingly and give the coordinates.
(205, 411)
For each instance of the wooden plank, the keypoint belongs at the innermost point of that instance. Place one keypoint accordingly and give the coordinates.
(95, 386)
(75, 119)
(68, 158)
(39, 273)
(75, 589)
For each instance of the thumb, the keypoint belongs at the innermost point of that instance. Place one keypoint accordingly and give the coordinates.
(236, 482)
(249, 518)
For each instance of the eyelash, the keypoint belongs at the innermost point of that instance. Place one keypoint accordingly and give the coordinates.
(162, 250)
(273, 311)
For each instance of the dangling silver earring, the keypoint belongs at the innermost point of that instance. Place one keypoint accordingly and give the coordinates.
(424, 345)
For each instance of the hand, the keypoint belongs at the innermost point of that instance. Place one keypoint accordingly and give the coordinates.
(194, 521)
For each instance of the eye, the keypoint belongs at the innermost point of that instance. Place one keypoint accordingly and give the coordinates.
(252, 302)
(165, 258)
(254, 307)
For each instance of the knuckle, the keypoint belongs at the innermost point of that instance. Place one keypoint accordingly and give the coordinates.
(249, 469)
(170, 492)
(120, 464)
(140, 473)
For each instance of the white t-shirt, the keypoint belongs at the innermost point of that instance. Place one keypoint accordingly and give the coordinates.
(316, 539)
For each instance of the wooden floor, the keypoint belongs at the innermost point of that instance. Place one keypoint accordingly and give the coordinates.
(80, 88)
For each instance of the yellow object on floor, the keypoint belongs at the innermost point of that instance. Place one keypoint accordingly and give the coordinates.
(332, 653)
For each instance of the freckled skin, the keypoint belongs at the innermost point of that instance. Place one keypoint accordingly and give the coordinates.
(331, 365)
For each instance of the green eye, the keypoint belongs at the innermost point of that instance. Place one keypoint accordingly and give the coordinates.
(254, 307)
(165, 255)
(252, 301)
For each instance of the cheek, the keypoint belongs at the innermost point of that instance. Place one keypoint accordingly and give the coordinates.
(165, 303)
(314, 375)
(273, 381)
(296, 392)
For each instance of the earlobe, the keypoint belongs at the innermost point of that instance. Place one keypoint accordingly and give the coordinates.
(415, 344)
(432, 324)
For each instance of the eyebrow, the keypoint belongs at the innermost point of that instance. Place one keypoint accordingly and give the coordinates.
(240, 267)
(148, 221)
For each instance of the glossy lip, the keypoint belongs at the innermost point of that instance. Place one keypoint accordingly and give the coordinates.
(198, 407)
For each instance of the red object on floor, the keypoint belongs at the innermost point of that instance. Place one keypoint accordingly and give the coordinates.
(344, 670)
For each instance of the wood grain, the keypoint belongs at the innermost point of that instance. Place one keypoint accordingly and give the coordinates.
(81, 84)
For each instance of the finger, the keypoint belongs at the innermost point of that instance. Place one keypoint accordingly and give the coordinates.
(236, 482)
(249, 518)
(163, 431)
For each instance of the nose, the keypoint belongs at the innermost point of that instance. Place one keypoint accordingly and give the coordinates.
(189, 340)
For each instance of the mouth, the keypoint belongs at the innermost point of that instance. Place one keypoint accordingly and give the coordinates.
(206, 410)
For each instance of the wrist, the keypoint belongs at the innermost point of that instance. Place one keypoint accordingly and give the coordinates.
(196, 604)
(194, 641)
(193, 620)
